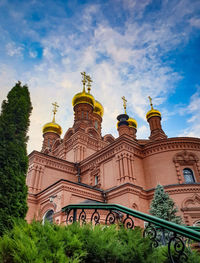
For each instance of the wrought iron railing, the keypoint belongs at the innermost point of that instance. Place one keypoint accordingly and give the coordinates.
(161, 232)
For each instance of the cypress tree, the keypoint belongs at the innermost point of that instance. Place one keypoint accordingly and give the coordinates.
(163, 206)
(14, 123)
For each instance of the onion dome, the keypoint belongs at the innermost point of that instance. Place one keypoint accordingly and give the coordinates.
(84, 97)
(98, 108)
(132, 123)
(52, 126)
(153, 112)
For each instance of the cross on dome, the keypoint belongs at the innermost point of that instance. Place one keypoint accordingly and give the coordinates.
(151, 104)
(55, 106)
(124, 104)
(84, 79)
(89, 80)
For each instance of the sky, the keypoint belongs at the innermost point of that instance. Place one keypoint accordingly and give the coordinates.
(131, 48)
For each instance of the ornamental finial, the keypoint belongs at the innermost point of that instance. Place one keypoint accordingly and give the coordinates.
(89, 80)
(124, 104)
(83, 80)
(151, 104)
(55, 106)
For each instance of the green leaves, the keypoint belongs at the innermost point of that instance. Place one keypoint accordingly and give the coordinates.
(37, 243)
(14, 123)
(163, 206)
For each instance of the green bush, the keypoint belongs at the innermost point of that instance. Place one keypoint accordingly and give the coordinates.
(48, 243)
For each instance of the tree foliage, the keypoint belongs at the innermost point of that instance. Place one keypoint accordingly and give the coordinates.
(163, 206)
(37, 243)
(14, 123)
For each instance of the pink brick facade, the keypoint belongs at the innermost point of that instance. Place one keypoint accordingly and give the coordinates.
(83, 165)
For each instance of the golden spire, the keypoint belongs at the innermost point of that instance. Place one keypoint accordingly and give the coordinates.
(84, 80)
(151, 104)
(89, 80)
(55, 106)
(124, 104)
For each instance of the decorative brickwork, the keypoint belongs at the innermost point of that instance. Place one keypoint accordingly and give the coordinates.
(83, 166)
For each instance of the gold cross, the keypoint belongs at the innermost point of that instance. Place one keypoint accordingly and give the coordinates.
(124, 104)
(89, 80)
(83, 80)
(55, 106)
(150, 100)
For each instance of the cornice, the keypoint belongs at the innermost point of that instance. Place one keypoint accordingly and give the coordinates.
(51, 161)
(68, 186)
(126, 189)
(148, 194)
(87, 191)
(70, 182)
(89, 194)
(171, 144)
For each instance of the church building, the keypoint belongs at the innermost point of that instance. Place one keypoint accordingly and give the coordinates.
(84, 166)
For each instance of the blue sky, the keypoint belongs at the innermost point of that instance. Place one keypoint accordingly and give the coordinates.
(134, 48)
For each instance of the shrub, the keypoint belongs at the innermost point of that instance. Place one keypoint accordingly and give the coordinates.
(37, 243)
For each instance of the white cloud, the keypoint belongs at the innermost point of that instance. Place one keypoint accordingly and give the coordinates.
(193, 122)
(130, 66)
(195, 22)
(14, 50)
(123, 60)
(7, 80)
(33, 54)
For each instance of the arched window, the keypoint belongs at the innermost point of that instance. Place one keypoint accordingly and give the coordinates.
(48, 216)
(188, 176)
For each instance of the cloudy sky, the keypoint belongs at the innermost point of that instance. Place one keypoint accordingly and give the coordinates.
(134, 48)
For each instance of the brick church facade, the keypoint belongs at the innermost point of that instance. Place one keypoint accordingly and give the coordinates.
(83, 166)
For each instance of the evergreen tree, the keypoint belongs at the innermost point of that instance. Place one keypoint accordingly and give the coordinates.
(163, 206)
(14, 123)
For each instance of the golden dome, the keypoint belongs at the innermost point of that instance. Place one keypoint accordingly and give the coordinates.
(132, 123)
(52, 127)
(83, 97)
(153, 113)
(98, 108)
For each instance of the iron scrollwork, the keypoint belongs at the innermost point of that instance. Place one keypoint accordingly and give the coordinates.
(128, 222)
(176, 249)
(82, 217)
(110, 218)
(150, 231)
(163, 234)
(95, 217)
(70, 218)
